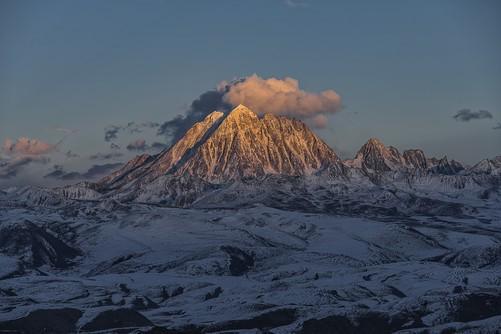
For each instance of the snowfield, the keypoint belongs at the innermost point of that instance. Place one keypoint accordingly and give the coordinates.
(98, 266)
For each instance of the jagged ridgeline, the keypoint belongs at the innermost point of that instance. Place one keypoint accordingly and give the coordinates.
(240, 158)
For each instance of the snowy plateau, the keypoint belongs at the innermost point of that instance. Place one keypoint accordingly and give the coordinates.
(253, 224)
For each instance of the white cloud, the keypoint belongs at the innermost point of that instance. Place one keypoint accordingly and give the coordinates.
(282, 97)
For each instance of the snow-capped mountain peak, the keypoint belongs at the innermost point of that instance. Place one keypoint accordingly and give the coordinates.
(244, 145)
(374, 156)
(230, 147)
(241, 112)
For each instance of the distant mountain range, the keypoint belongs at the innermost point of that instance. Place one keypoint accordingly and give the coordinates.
(240, 159)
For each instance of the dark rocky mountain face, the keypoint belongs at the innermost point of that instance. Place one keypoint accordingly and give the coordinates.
(416, 159)
(36, 245)
(375, 157)
(443, 166)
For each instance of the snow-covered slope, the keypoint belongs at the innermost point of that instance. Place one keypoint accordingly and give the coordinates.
(123, 268)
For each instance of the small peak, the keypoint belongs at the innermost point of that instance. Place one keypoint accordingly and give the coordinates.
(413, 151)
(374, 141)
(242, 110)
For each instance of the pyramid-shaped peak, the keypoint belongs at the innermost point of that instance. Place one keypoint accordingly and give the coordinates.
(372, 145)
(375, 156)
(236, 146)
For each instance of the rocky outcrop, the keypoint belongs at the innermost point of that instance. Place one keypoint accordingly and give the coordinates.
(375, 157)
(56, 321)
(35, 246)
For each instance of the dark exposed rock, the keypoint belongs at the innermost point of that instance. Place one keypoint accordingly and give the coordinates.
(164, 294)
(458, 289)
(115, 319)
(415, 158)
(375, 157)
(55, 321)
(396, 292)
(267, 320)
(177, 291)
(36, 246)
(368, 323)
(240, 261)
(214, 294)
(334, 324)
(8, 292)
(443, 166)
(123, 287)
(143, 303)
(190, 329)
(477, 306)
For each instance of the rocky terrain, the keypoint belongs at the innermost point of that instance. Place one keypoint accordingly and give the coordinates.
(254, 225)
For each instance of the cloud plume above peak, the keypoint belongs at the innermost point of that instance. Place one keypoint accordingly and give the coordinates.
(283, 97)
(205, 104)
(274, 96)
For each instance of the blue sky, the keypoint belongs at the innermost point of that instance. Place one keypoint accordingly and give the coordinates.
(402, 68)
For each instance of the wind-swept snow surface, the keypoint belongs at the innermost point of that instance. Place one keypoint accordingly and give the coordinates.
(93, 266)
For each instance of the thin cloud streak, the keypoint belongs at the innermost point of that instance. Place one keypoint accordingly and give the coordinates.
(111, 132)
(10, 168)
(105, 156)
(466, 115)
(93, 172)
